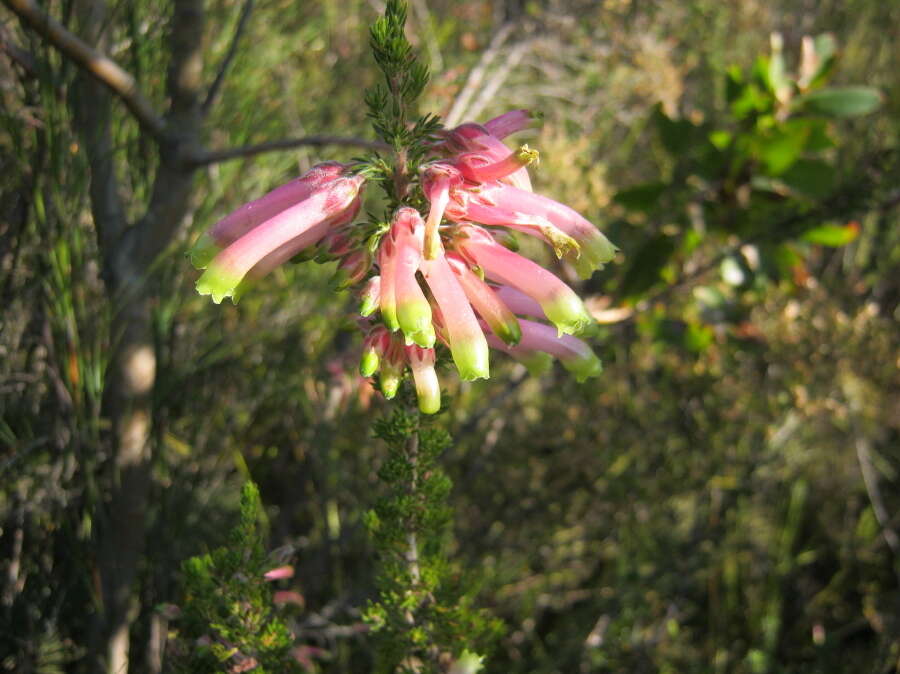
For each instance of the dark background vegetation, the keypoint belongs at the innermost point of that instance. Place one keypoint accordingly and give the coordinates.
(723, 499)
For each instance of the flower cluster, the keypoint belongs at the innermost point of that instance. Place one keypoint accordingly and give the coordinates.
(447, 278)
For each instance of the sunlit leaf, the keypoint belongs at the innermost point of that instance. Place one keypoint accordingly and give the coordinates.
(832, 235)
(841, 101)
(784, 146)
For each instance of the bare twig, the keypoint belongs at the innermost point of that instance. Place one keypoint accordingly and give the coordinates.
(870, 479)
(98, 65)
(229, 56)
(412, 545)
(423, 16)
(497, 79)
(476, 76)
(17, 55)
(206, 157)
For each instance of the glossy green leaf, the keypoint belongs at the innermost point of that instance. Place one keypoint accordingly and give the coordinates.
(841, 101)
(832, 235)
(784, 146)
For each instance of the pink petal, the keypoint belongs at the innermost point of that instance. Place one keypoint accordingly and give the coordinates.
(509, 123)
(234, 225)
(467, 343)
(280, 573)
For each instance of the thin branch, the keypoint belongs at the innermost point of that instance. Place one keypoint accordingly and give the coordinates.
(206, 157)
(412, 545)
(870, 480)
(476, 75)
(98, 65)
(170, 198)
(499, 77)
(17, 55)
(229, 56)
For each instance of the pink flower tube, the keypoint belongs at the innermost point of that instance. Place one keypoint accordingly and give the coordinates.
(511, 122)
(413, 310)
(489, 306)
(428, 388)
(467, 343)
(306, 219)
(472, 137)
(568, 232)
(560, 303)
(575, 355)
(237, 223)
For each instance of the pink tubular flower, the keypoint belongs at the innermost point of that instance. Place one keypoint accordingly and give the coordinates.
(428, 389)
(437, 181)
(559, 302)
(326, 201)
(485, 301)
(387, 295)
(467, 343)
(510, 122)
(282, 597)
(537, 338)
(476, 138)
(569, 233)
(280, 573)
(370, 296)
(413, 309)
(234, 225)
(422, 280)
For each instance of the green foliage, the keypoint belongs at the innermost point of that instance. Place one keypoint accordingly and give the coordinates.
(424, 615)
(763, 173)
(405, 77)
(228, 620)
(391, 109)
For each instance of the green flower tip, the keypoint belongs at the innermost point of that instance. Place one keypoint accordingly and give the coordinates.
(414, 319)
(367, 307)
(584, 368)
(425, 337)
(389, 382)
(568, 313)
(219, 285)
(389, 316)
(203, 251)
(467, 663)
(471, 359)
(537, 363)
(596, 251)
(368, 364)
(509, 331)
(428, 403)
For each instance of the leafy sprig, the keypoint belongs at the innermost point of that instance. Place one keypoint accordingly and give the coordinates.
(392, 109)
